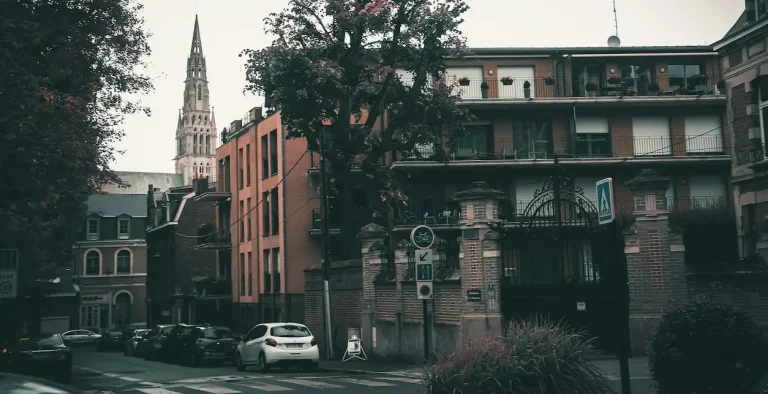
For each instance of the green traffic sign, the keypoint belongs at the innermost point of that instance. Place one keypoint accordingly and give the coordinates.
(424, 272)
(605, 205)
(9, 259)
(423, 237)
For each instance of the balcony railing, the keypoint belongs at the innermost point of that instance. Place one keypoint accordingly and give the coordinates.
(433, 212)
(314, 163)
(317, 221)
(208, 235)
(582, 146)
(538, 87)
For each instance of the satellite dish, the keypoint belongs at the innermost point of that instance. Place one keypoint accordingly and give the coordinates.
(614, 42)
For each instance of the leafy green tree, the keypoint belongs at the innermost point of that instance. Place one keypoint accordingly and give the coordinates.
(332, 66)
(66, 67)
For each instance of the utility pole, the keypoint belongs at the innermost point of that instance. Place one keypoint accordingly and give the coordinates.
(326, 259)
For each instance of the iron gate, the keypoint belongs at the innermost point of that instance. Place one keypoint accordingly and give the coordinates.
(556, 262)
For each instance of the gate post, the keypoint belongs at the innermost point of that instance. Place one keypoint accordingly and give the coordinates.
(655, 258)
(480, 261)
(372, 237)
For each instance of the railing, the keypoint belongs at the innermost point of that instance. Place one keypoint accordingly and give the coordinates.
(317, 220)
(314, 162)
(582, 146)
(538, 87)
(207, 234)
(214, 184)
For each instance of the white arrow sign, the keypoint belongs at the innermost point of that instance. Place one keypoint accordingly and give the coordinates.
(424, 255)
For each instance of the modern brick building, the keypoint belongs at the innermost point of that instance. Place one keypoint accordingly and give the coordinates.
(744, 61)
(271, 245)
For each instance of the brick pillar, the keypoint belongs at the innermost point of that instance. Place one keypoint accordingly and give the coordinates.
(655, 258)
(480, 259)
(372, 238)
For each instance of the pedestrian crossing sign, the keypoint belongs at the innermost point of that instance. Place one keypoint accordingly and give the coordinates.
(605, 206)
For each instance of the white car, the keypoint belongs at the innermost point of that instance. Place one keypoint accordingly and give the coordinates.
(277, 344)
(80, 337)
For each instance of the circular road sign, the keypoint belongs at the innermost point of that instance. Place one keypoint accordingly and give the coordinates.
(423, 237)
(6, 287)
(424, 290)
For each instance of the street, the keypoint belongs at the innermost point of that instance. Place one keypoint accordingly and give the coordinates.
(111, 372)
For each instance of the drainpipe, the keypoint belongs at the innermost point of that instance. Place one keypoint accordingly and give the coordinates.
(284, 248)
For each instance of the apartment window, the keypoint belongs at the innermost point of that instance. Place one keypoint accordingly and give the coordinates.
(241, 222)
(475, 143)
(250, 276)
(92, 263)
(756, 47)
(248, 215)
(123, 228)
(223, 266)
(276, 270)
(532, 139)
(123, 263)
(593, 138)
(89, 316)
(651, 136)
(762, 97)
(264, 157)
(93, 229)
(638, 78)
(267, 277)
(273, 152)
(687, 76)
(265, 213)
(242, 274)
(240, 169)
(248, 165)
(274, 207)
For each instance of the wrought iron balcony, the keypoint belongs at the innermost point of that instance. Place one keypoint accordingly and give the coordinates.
(211, 238)
(317, 224)
(212, 189)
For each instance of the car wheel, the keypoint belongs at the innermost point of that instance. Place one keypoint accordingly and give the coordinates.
(239, 363)
(263, 366)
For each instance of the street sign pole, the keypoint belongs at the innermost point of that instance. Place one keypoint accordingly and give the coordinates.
(422, 237)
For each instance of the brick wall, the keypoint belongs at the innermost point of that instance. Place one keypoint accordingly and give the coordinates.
(346, 300)
(747, 291)
(190, 262)
(448, 298)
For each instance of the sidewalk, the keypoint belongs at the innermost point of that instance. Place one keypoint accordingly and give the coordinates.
(638, 367)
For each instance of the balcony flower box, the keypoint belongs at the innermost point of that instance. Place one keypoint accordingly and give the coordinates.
(464, 81)
(591, 89)
(507, 81)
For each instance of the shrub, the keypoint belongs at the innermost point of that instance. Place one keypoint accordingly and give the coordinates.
(534, 356)
(707, 347)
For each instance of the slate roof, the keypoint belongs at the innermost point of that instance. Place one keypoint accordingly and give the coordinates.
(138, 182)
(134, 205)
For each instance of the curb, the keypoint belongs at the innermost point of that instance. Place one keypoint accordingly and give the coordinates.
(368, 372)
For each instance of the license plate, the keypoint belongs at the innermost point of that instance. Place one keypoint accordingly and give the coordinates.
(217, 354)
(294, 346)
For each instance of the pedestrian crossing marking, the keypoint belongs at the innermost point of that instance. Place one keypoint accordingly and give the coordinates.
(207, 388)
(130, 379)
(264, 386)
(363, 382)
(157, 390)
(403, 380)
(313, 384)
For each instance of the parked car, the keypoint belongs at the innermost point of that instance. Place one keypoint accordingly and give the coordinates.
(111, 340)
(80, 337)
(207, 343)
(277, 344)
(166, 345)
(146, 348)
(132, 341)
(43, 355)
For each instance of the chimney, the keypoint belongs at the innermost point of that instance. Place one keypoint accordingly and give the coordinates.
(751, 9)
(236, 125)
(256, 114)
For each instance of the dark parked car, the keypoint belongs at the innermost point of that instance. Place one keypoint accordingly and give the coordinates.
(151, 348)
(44, 355)
(132, 342)
(171, 346)
(112, 339)
(207, 343)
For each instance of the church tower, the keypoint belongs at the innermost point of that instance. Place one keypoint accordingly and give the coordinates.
(196, 134)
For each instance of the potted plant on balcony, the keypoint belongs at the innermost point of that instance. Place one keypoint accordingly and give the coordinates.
(549, 81)
(527, 89)
(591, 89)
(614, 80)
(484, 89)
(464, 81)
(653, 87)
(506, 81)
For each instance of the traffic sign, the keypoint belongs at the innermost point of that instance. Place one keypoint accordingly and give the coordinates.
(424, 272)
(9, 272)
(422, 237)
(423, 256)
(424, 290)
(605, 205)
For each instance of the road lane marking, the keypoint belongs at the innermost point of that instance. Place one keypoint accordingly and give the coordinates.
(363, 382)
(313, 384)
(264, 386)
(207, 388)
(399, 379)
(130, 379)
(41, 388)
(157, 390)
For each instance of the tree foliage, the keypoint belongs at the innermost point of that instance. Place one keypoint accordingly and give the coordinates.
(332, 66)
(66, 66)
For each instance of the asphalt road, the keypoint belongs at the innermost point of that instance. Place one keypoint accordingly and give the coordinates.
(111, 372)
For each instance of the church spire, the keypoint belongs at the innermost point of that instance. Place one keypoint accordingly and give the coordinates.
(197, 44)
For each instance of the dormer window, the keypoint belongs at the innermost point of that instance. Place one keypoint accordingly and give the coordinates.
(92, 230)
(123, 228)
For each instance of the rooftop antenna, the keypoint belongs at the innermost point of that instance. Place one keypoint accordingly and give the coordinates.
(614, 41)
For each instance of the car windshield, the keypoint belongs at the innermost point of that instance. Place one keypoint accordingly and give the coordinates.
(217, 333)
(289, 331)
(166, 330)
(142, 333)
(48, 341)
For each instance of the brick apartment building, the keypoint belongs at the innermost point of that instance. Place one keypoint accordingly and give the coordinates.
(271, 246)
(184, 284)
(745, 66)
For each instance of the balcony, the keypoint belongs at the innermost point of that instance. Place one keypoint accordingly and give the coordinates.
(592, 147)
(314, 164)
(211, 239)
(532, 88)
(317, 224)
(212, 189)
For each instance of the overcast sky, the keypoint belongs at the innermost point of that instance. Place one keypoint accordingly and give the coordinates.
(228, 26)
